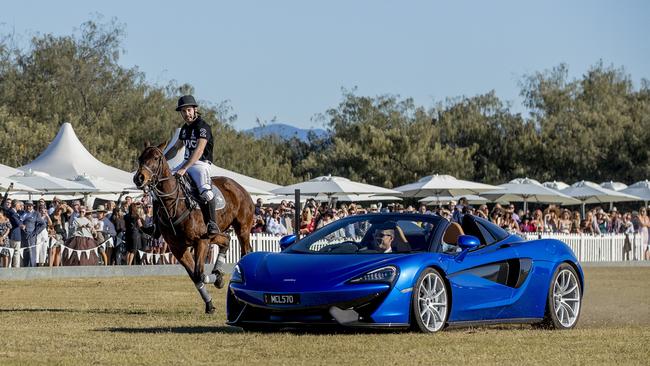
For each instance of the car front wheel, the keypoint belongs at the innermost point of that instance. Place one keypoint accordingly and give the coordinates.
(564, 299)
(430, 302)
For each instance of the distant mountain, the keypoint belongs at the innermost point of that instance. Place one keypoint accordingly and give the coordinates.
(284, 131)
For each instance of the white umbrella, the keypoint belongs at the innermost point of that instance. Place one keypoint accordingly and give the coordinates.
(528, 190)
(590, 192)
(334, 186)
(49, 184)
(614, 186)
(359, 198)
(640, 189)
(558, 186)
(471, 199)
(443, 185)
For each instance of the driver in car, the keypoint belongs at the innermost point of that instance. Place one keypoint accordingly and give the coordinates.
(384, 240)
(386, 243)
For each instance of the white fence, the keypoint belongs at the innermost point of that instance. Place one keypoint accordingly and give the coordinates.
(588, 248)
(598, 248)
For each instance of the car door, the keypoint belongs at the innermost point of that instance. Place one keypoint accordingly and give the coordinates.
(483, 280)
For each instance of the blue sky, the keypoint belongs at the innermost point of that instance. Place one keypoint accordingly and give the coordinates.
(290, 59)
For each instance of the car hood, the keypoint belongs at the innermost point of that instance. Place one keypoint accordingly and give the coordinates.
(307, 272)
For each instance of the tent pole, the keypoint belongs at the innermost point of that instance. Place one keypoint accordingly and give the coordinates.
(583, 210)
(525, 205)
(296, 218)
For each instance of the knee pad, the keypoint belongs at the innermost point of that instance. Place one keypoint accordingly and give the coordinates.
(207, 195)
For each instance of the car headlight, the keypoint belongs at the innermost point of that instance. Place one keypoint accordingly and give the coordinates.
(237, 276)
(386, 274)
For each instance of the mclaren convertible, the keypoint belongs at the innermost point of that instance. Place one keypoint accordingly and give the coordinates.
(407, 270)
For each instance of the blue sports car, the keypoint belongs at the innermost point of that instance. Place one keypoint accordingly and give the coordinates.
(407, 270)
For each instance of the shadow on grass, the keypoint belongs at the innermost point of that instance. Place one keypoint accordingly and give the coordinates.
(176, 330)
(90, 311)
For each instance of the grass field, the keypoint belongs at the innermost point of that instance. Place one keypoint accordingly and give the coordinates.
(160, 321)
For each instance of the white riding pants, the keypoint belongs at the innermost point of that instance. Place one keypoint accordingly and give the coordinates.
(200, 174)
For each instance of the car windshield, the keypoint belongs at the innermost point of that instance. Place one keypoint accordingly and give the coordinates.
(371, 234)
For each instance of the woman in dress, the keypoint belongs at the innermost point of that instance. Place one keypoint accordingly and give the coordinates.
(644, 225)
(133, 220)
(58, 235)
(81, 239)
(565, 222)
(5, 229)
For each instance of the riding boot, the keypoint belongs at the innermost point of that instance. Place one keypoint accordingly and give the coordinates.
(213, 228)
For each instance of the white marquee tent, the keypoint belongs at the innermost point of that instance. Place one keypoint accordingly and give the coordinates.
(6, 171)
(67, 158)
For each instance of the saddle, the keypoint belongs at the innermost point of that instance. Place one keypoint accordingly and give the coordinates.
(194, 196)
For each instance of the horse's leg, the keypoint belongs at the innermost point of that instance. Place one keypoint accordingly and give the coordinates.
(187, 261)
(218, 273)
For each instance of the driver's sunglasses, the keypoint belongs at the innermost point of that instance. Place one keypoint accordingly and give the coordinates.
(381, 235)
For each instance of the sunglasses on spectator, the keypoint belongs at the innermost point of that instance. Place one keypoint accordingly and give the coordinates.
(381, 235)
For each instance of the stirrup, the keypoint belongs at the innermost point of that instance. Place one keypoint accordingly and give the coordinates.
(213, 229)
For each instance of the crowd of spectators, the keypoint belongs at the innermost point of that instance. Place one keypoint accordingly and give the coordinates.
(36, 234)
(43, 233)
(548, 219)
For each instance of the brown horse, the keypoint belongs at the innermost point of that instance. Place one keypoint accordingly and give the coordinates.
(184, 228)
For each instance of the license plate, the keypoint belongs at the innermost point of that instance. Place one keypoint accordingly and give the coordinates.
(282, 299)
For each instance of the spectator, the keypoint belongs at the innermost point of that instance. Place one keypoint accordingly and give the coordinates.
(119, 251)
(509, 223)
(258, 228)
(306, 222)
(81, 231)
(527, 225)
(38, 253)
(628, 228)
(105, 234)
(59, 233)
(575, 223)
(258, 207)
(551, 221)
(511, 209)
(5, 230)
(565, 222)
(496, 217)
(273, 225)
(15, 237)
(31, 227)
(538, 220)
(134, 221)
(483, 212)
(644, 224)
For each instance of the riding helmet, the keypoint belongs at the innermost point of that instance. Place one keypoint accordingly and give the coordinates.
(185, 101)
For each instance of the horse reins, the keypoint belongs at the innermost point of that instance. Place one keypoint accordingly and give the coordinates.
(158, 194)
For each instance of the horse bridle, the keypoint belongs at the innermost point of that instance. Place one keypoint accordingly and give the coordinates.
(158, 194)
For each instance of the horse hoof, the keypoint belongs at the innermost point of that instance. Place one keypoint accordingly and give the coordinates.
(219, 281)
(209, 308)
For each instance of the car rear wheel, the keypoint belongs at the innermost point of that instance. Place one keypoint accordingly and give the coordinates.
(430, 302)
(564, 299)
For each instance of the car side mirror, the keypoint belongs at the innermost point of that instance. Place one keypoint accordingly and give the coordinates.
(467, 242)
(286, 241)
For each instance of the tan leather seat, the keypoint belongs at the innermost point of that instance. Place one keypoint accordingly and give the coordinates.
(454, 230)
(400, 234)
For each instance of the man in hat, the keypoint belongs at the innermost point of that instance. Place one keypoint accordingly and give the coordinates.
(196, 136)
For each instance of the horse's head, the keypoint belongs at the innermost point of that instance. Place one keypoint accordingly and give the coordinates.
(151, 164)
